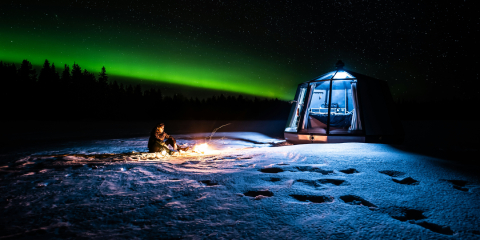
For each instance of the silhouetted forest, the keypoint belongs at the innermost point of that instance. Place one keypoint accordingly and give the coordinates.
(75, 94)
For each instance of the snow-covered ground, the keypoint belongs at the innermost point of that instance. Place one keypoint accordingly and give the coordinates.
(249, 186)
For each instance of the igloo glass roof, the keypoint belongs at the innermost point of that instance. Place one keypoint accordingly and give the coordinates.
(340, 75)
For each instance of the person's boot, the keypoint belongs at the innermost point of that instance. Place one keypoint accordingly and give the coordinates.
(182, 148)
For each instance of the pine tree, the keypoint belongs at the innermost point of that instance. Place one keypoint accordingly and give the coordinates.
(26, 73)
(103, 78)
(45, 76)
(76, 74)
(66, 78)
(88, 79)
(10, 73)
(54, 73)
(27, 77)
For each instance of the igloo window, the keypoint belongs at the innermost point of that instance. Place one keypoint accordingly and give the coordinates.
(336, 75)
(343, 117)
(342, 75)
(326, 76)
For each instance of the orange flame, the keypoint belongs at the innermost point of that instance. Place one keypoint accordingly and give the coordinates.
(202, 148)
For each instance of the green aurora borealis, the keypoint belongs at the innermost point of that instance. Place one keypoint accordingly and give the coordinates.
(256, 48)
(147, 56)
(170, 62)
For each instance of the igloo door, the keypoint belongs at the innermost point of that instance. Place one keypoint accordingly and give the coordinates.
(297, 109)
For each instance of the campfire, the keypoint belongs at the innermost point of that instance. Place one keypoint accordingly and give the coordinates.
(201, 148)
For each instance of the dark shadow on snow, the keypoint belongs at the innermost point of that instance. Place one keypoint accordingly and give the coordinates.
(311, 198)
(403, 214)
(458, 184)
(436, 228)
(271, 170)
(274, 179)
(209, 182)
(415, 216)
(349, 171)
(407, 181)
(265, 193)
(392, 173)
(356, 200)
(336, 182)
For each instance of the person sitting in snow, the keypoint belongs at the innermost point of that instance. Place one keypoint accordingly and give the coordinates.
(157, 143)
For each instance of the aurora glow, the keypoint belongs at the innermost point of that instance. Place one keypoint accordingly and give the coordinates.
(142, 53)
(169, 60)
(261, 48)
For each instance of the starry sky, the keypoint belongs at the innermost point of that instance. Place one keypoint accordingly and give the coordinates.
(425, 50)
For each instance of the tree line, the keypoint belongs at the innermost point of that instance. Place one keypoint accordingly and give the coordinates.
(76, 94)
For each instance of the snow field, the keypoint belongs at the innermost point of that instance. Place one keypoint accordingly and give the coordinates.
(245, 189)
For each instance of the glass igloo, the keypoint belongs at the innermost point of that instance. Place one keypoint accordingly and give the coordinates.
(342, 106)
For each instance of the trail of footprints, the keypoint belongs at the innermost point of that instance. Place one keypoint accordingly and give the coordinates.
(403, 214)
(461, 185)
(412, 216)
(313, 183)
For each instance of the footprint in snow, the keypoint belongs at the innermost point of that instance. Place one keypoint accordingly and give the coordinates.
(271, 170)
(312, 198)
(415, 216)
(458, 184)
(336, 182)
(259, 194)
(404, 214)
(392, 173)
(273, 179)
(407, 181)
(349, 171)
(435, 227)
(209, 182)
(396, 174)
(356, 200)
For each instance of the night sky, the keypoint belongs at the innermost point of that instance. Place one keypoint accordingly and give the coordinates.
(426, 50)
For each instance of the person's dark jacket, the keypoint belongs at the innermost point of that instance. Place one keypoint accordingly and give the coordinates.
(156, 137)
